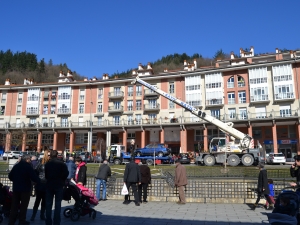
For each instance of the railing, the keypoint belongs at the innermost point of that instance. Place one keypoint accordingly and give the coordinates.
(99, 110)
(130, 93)
(81, 97)
(115, 108)
(116, 94)
(149, 92)
(64, 97)
(214, 102)
(63, 111)
(33, 98)
(139, 93)
(20, 100)
(258, 98)
(151, 106)
(32, 111)
(241, 84)
(282, 96)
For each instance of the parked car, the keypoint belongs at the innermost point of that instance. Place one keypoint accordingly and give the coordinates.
(11, 155)
(89, 156)
(276, 158)
(159, 150)
(184, 158)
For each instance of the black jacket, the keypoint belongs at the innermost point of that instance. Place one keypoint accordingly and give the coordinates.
(103, 172)
(263, 182)
(132, 173)
(81, 175)
(145, 174)
(21, 175)
(295, 172)
(40, 171)
(56, 172)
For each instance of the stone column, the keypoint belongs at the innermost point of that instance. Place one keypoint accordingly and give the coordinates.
(71, 145)
(183, 141)
(24, 142)
(274, 132)
(55, 140)
(39, 142)
(162, 136)
(250, 133)
(8, 141)
(108, 138)
(124, 137)
(205, 147)
(143, 138)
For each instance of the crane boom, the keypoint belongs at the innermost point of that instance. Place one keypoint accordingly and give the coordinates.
(244, 139)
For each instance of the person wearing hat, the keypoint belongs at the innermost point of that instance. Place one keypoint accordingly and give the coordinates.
(180, 181)
(263, 187)
(295, 171)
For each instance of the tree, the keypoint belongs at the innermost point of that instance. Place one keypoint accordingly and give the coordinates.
(219, 55)
(101, 148)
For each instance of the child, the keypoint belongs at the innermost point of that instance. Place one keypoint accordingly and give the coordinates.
(285, 207)
(271, 195)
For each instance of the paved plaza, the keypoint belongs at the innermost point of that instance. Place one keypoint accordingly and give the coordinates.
(113, 212)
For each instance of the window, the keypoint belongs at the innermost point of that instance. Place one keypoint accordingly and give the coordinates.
(130, 91)
(48, 139)
(117, 105)
(282, 73)
(193, 99)
(199, 135)
(53, 109)
(260, 112)
(284, 91)
(213, 80)
(44, 122)
(130, 105)
(130, 120)
(258, 75)
(241, 81)
(20, 97)
(138, 118)
(130, 136)
(100, 121)
(171, 88)
(64, 122)
(52, 121)
(285, 111)
(138, 105)
(19, 110)
(3, 99)
(2, 110)
(152, 103)
(242, 96)
(116, 120)
(80, 121)
(192, 83)
(32, 121)
(230, 82)
(67, 140)
(80, 138)
(45, 109)
(18, 122)
(256, 133)
(53, 95)
(231, 113)
(81, 95)
(46, 95)
(231, 98)
(81, 108)
(152, 118)
(215, 113)
(259, 94)
(117, 91)
(100, 93)
(99, 107)
(243, 113)
(171, 105)
(138, 90)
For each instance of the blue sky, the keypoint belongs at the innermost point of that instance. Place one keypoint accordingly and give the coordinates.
(95, 36)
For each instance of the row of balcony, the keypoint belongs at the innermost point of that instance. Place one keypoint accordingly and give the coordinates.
(158, 121)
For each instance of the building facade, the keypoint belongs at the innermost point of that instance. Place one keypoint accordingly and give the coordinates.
(258, 93)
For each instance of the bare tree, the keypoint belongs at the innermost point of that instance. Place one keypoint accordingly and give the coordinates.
(101, 149)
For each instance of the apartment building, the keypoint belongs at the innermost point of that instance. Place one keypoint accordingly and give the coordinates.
(258, 93)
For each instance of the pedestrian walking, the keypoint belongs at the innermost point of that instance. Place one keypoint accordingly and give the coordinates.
(56, 173)
(71, 168)
(271, 195)
(295, 171)
(132, 177)
(145, 181)
(21, 175)
(101, 178)
(40, 188)
(80, 174)
(263, 187)
(180, 181)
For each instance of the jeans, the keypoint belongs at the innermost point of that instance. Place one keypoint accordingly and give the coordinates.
(99, 183)
(50, 192)
(19, 199)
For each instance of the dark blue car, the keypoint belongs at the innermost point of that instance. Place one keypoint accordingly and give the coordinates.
(158, 149)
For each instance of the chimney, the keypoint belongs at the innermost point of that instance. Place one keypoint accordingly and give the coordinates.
(276, 50)
(25, 81)
(184, 63)
(94, 78)
(140, 66)
(295, 54)
(252, 50)
(134, 73)
(232, 55)
(69, 74)
(31, 81)
(116, 77)
(7, 82)
(103, 76)
(242, 53)
(149, 66)
(292, 54)
(195, 63)
(166, 70)
(85, 79)
(61, 74)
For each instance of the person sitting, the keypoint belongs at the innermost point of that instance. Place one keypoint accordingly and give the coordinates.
(286, 207)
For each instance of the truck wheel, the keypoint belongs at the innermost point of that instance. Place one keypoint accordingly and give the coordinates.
(209, 160)
(233, 160)
(138, 154)
(149, 162)
(160, 154)
(247, 160)
(117, 161)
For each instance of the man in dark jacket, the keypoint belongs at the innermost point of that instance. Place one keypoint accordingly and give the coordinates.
(56, 173)
(145, 181)
(295, 171)
(101, 178)
(263, 187)
(132, 176)
(22, 174)
(71, 168)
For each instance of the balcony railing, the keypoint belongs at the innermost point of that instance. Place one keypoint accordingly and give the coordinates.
(138, 93)
(138, 107)
(284, 96)
(81, 97)
(129, 108)
(32, 112)
(151, 107)
(66, 97)
(214, 101)
(116, 94)
(33, 98)
(130, 93)
(230, 85)
(20, 100)
(241, 84)
(259, 98)
(115, 109)
(64, 111)
(148, 92)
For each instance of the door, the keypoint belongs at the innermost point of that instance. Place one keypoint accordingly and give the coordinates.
(287, 153)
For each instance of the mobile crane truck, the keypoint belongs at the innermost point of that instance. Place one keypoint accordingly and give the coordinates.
(239, 148)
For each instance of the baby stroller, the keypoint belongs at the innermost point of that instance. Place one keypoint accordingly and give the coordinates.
(5, 201)
(84, 201)
(286, 214)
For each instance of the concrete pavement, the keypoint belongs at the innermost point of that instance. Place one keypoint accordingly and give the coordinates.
(113, 212)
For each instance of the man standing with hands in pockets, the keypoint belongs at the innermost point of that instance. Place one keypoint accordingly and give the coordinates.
(132, 176)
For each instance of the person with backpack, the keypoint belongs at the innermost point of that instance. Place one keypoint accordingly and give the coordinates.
(40, 188)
